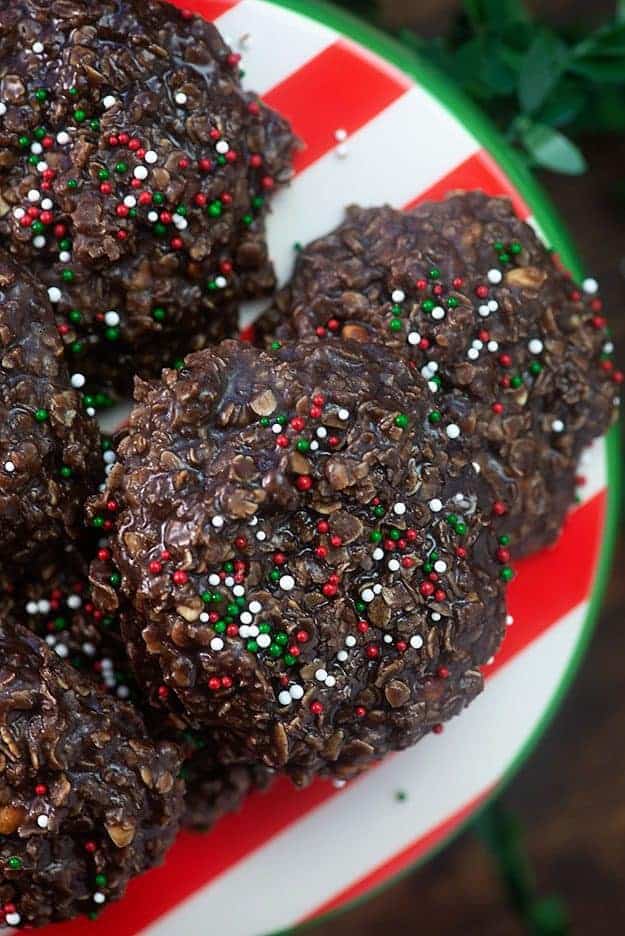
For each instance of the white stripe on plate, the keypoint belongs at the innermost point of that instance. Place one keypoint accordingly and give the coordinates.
(274, 42)
(347, 837)
(398, 154)
(593, 466)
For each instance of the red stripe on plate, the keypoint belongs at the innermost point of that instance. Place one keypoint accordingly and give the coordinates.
(477, 172)
(209, 9)
(338, 89)
(551, 583)
(402, 860)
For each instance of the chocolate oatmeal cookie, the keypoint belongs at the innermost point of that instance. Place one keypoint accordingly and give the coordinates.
(470, 296)
(87, 801)
(304, 558)
(134, 177)
(49, 448)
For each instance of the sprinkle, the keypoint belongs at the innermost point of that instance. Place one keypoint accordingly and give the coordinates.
(350, 641)
(42, 822)
(494, 276)
(54, 294)
(590, 286)
(3, 108)
(321, 675)
(36, 148)
(322, 432)
(77, 381)
(217, 521)
(435, 505)
(399, 508)
(39, 241)
(217, 644)
(246, 617)
(65, 256)
(37, 47)
(535, 346)
(261, 536)
(342, 656)
(340, 135)
(509, 620)
(141, 173)
(378, 554)
(9, 466)
(493, 346)
(342, 151)
(284, 698)
(296, 692)
(221, 282)
(255, 607)
(440, 566)
(330, 682)
(109, 101)
(238, 591)
(436, 616)
(74, 601)
(150, 157)
(111, 318)
(413, 338)
(62, 138)
(31, 607)
(99, 897)
(13, 919)
(377, 589)
(263, 641)
(287, 582)
(343, 415)
(47, 204)
(18, 213)
(416, 641)
(453, 431)
(398, 295)
(394, 565)
(222, 147)
(130, 201)
(180, 97)
(62, 651)
(557, 425)
(473, 354)
(476, 343)
(438, 313)
(314, 445)
(367, 595)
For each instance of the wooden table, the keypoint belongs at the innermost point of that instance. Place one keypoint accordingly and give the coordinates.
(570, 797)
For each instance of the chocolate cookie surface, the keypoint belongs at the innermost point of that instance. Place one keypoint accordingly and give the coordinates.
(469, 295)
(49, 446)
(308, 562)
(87, 801)
(135, 172)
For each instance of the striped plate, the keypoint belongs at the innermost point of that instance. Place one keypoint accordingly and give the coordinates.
(288, 857)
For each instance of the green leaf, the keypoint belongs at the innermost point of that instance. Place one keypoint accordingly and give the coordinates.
(544, 63)
(550, 149)
(495, 13)
(608, 41)
(563, 105)
(602, 71)
(620, 11)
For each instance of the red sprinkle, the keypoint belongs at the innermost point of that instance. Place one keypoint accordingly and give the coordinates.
(180, 577)
(316, 708)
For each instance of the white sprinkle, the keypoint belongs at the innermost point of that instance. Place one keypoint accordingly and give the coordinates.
(413, 338)
(473, 354)
(217, 644)
(65, 256)
(435, 505)
(238, 591)
(222, 147)
(590, 285)
(453, 431)
(284, 698)
(342, 151)
(140, 173)
(494, 276)
(34, 195)
(477, 344)
(221, 282)
(31, 607)
(150, 157)
(13, 919)
(37, 47)
(180, 97)
(180, 223)
(297, 692)
(54, 294)
(111, 318)
(245, 617)
(343, 415)
(377, 589)
(416, 641)
(229, 581)
(350, 641)
(433, 366)
(9, 466)
(39, 241)
(330, 682)
(74, 601)
(427, 371)
(90, 411)
(287, 583)
(3, 108)
(436, 616)
(36, 148)
(484, 311)
(398, 295)
(493, 305)
(261, 536)
(322, 432)
(244, 631)
(62, 138)
(388, 639)
(61, 650)
(18, 213)
(476, 467)
(255, 607)
(263, 641)
(367, 595)
(99, 897)
(42, 821)
(340, 134)
(109, 101)
(50, 640)
(342, 655)
(557, 425)
(535, 346)
(393, 565)
(253, 521)
(152, 216)
(314, 445)
(321, 675)
(493, 346)
(130, 201)
(378, 554)
(438, 313)
(214, 579)
(77, 381)
(47, 204)
(110, 457)
(440, 566)
(203, 617)
(43, 606)
(217, 521)
(399, 508)
(608, 347)
(123, 692)
(509, 620)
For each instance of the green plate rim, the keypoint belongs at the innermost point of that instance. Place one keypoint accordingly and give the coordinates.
(554, 230)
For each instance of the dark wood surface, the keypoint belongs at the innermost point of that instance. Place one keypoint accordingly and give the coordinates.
(570, 796)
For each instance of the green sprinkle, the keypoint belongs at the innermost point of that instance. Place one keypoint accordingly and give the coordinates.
(65, 471)
(206, 596)
(427, 305)
(258, 201)
(111, 334)
(276, 345)
(115, 578)
(265, 421)
(72, 184)
(158, 198)
(41, 415)
(76, 347)
(37, 227)
(506, 574)
(289, 659)
(23, 141)
(60, 624)
(401, 421)
(215, 209)
(452, 302)
(41, 95)
(251, 646)
(461, 528)
(158, 313)
(264, 628)
(121, 167)
(275, 651)
(504, 540)
(515, 247)
(248, 219)
(39, 133)
(160, 230)
(375, 536)
(379, 511)
(33, 160)
(15, 863)
(535, 368)
(68, 276)
(73, 91)
(103, 175)
(220, 627)
(75, 316)
(516, 382)
(395, 325)
(360, 606)
(281, 639)
(79, 115)
(65, 244)
(434, 273)
(182, 210)
(434, 417)
(395, 534)
(94, 124)
(302, 445)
